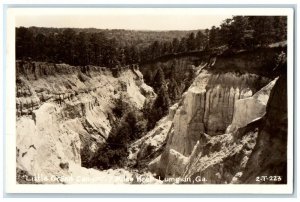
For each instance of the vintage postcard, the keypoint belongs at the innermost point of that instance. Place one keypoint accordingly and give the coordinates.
(149, 100)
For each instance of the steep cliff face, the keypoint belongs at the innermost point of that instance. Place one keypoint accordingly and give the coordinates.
(216, 124)
(64, 113)
(272, 139)
(251, 108)
(208, 107)
(244, 154)
(180, 69)
(261, 61)
(187, 134)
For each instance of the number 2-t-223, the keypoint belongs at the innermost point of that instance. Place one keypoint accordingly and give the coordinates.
(266, 178)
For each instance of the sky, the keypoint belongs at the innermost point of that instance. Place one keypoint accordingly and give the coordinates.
(123, 19)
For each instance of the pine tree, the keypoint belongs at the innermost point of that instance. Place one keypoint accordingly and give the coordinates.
(148, 76)
(159, 79)
(237, 32)
(263, 30)
(162, 101)
(175, 45)
(200, 40)
(159, 109)
(25, 43)
(183, 45)
(280, 28)
(206, 39)
(40, 40)
(173, 90)
(212, 37)
(191, 42)
(67, 50)
(225, 31)
(81, 47)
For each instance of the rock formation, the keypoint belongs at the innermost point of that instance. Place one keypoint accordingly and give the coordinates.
(269, 156)
(219, 120)
(64, 113)
(222, 130)
(191, 125)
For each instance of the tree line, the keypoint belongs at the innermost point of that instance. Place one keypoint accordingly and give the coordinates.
(238, 32)
(95, 48)
(73, 48)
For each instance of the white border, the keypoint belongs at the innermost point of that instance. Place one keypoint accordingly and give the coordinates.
(10, 138)
(14, 12)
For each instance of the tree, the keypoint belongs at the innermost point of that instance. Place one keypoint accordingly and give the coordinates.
(25, 43)
(51, 47)
(159, 79)
(148, 76)
(200, 40)
(225, 31)
(134, 54)
(155, 50)
(154, 111)
(120, 107)
(173, 90)
(40, 41)
(280, 28)
(110, 53)
(115, 152)
(183, 45)
(263, 30)
(66, 43)
(166, 48)
(191, 42)
(175, 45)
(207, 38)
(82, 52)
(238, 28)
(131, 120)
(212, 36)
(95, 46)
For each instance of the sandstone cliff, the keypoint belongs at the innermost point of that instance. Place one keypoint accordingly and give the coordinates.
(222, 129)
(191, 127)
(269, 156)
(64, 113)
(243, 154)
(217, 122)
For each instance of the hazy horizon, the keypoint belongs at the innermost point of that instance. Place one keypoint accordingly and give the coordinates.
(138, 22)
(138, 30)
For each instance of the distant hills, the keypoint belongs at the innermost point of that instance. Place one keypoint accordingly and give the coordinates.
(123, 36)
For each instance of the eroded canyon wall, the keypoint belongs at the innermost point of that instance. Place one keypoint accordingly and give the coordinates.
(217, 122)
(64, 113)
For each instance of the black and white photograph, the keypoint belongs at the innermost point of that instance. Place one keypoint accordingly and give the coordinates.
(151, 96)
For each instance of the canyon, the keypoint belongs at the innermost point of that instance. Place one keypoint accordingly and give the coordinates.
(222, 127)
(64, 114)
(219, 122)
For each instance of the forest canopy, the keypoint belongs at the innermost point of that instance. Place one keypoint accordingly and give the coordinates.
(113, 48)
